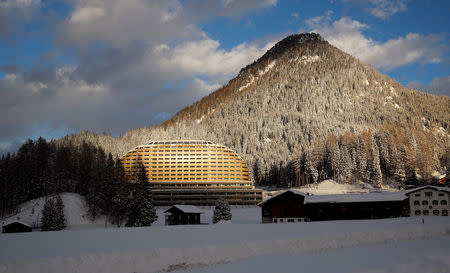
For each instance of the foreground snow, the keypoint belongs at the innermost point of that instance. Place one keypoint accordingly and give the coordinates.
(233, 247)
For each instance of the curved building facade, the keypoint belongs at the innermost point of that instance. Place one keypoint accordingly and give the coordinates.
(192, 172)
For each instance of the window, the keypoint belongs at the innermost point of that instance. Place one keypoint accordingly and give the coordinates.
(426, 212)
(281, 220)
(443, 202)
(428, 194)
(435, 202)
(416, 203)
(417, 194)
(417, 212)
(441, 194)
(444, 212)
(292, 220)
(436, 212)
(424, 202)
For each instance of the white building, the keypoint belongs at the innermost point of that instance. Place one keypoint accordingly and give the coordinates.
(429, 200)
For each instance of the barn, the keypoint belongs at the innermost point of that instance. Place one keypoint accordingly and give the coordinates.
(287, 206)
(375, 205)
(16, 226)
(296, 206)
(183, 215)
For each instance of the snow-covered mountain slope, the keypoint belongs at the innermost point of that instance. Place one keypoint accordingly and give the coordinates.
(75, 211)
(294, 96)
(170, 248)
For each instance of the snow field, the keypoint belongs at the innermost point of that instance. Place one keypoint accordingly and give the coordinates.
(156, 249)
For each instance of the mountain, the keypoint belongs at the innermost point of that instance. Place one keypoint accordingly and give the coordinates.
(303, 102)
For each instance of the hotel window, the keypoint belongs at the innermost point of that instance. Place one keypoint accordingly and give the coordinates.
(417, 212)
(424, 202)
(426, 212)
(436, 212)
(428, 194)
(435, 202)
(416, 203)
(444, 212)
(443, 202)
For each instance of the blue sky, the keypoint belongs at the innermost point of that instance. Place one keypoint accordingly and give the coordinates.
(112, 65)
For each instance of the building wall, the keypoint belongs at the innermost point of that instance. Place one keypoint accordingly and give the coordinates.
(192, 172)
(183, 161)
(423, 202)
(287, 205)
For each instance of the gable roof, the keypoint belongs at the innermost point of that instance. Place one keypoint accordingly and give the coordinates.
(186, 209)
(357, 197)
(296, 192)
(445, 189)
(17, 221)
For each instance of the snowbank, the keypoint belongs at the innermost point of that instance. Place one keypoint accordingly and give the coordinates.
(155, 249)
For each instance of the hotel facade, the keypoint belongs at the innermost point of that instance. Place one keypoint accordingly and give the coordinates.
(192, 172)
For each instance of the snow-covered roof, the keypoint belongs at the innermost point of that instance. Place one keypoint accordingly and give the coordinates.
(297, 192)
(17, 221)
(356, 197)
(186, 209)
(447, 189)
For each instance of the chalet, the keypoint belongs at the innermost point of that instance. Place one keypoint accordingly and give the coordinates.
(16, 226)
(284, 207)
(296, 206)
(374, 205)
(429, 200)
(183, 215)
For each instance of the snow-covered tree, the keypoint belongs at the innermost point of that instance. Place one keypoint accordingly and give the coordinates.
(53, 217)
(221, 211)
(142, 210)
(60, 218)
(48, 216)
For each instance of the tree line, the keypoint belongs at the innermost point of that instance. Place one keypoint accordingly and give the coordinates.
(390, 155)
(42, 168)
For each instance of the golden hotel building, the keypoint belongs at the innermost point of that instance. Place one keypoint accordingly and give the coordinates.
(192, 172)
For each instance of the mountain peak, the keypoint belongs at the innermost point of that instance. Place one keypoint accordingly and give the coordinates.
(292, 41)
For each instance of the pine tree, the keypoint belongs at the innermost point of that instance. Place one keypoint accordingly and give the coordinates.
(48, 216)
(53, 215)
(120, 201)
(221, 211)
(373, 167)
(142, 211)
(60, 219)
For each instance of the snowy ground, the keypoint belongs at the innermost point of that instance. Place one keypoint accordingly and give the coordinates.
(389, 245)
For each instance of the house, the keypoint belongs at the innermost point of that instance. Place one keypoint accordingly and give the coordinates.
(429, 200)
(16, 226)
(183, 215)
(375, 205)
(287, 206)
(296, 206)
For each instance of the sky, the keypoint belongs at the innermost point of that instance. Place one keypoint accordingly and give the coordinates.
(112, 65)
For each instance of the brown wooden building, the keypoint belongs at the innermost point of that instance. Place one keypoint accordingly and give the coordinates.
(296, 206)
(183, 215)
(287, 206)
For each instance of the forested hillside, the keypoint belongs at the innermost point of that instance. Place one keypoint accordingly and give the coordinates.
(300, 107)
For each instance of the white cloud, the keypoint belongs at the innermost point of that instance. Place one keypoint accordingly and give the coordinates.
(438, 86)
(87, 15)
(153, 58)
(204, 57)
(10, 4)
(385, 8)
(382, 8)
(347, 35)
